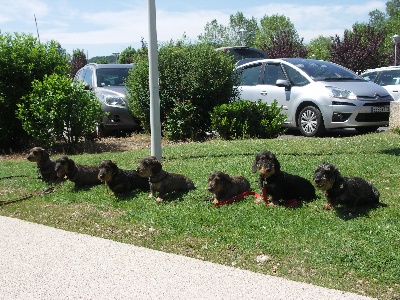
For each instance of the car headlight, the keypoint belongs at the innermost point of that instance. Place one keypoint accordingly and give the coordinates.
(114, 101)
(340, 93)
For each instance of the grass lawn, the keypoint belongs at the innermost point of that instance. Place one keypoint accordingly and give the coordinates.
(359, 253)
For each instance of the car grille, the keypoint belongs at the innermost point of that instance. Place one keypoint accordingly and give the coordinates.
(375, 117)
(377, 104)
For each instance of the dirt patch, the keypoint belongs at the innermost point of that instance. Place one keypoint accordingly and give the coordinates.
(107, 144)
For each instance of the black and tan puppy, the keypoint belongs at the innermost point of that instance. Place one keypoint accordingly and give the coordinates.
(80, 175)
(45, 166)
(281, 186)
(224, 187)
(162, 182)
(347, 191)
(121, 181)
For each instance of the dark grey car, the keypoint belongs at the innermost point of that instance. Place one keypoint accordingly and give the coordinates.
(108, 82)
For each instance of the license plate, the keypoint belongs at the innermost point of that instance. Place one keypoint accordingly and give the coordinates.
(380, 109)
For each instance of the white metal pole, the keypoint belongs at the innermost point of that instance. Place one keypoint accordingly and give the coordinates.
(155, 123)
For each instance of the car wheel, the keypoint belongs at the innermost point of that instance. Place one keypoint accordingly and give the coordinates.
(311, 122)
(366, 129)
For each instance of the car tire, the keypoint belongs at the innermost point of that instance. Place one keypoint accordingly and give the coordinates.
(366, 129)
(311, 123)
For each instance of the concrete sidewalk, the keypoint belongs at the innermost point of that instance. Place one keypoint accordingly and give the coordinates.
(39, 262)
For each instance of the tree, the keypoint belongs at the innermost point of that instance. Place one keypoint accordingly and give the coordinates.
(318, 48)
(215, 34)
(284, 44)
(392, 27)
(23, 59)
(359, 49)
(78, 61)
(238, 23)
(127, 56)
(392, 7)
(273, 27)
(377, 19)
(218, 35)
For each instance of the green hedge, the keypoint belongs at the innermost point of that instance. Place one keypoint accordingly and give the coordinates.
(59, 110)
(247, 119)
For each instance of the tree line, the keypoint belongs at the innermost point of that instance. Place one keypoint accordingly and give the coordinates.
(30, 70)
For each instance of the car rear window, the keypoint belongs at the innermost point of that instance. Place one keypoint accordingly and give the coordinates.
(247, 53)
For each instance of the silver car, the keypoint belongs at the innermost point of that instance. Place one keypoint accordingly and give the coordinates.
(108, 82)
(316, 95)
(388, 77)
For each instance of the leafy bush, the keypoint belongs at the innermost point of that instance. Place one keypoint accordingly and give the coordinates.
(59, 110)
(186, 72)
(247, 119)
(182, 123)
(23, 59)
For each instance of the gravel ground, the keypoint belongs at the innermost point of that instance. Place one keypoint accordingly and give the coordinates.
(39, 262)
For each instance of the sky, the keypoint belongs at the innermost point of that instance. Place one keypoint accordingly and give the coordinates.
(102, 27)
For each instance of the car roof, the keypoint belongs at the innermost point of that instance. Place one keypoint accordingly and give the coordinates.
(235, 47)
(294, 61)
(110, 66)
(249, 61)
(382, 69)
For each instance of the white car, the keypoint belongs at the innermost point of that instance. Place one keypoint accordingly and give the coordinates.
(388, 77)
(316, 95)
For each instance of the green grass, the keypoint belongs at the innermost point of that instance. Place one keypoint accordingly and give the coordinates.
(357, 253)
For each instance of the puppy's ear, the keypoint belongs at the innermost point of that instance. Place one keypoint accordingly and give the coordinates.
(156, 167)
(255, 166)
(113, 165)
(225, 177)
(71, 164)
(44, 154)
(211, 177)
(277, 165)
(335, 171)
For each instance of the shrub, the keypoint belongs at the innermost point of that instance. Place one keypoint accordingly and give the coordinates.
(23, 59)
(182, 122)
(59, 110)
(247, 119)
(186, 72)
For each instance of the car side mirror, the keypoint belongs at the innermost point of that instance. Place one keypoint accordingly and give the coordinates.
(284, 83)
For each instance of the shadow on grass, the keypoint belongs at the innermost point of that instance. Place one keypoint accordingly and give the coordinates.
(393, 151)
(362, 211)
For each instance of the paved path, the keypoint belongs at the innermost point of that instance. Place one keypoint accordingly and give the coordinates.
(39, 262)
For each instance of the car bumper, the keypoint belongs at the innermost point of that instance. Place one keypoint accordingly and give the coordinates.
(119, 119)
(346, 114)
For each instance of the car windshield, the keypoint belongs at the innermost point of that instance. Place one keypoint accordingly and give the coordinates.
(111, 76)
(320, 70)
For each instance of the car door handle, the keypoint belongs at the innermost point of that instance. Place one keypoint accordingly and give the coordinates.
(264, 93)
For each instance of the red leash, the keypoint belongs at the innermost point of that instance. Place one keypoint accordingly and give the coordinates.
(288, 203)
(242, 195)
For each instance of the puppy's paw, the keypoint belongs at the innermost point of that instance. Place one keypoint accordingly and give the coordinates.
(258, 200)
(150, 196)
(215, 201)
(159, 200)
(328, 206)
